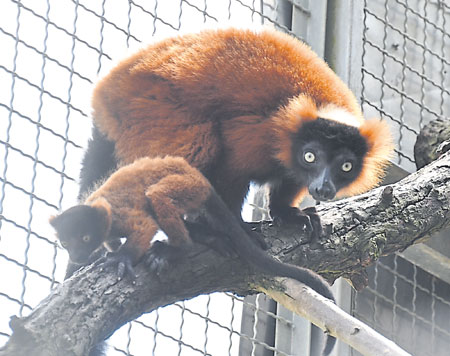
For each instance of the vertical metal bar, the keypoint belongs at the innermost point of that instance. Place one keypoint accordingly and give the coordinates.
(284, 10)
(264, 324)
(414, 307)
(309, 22)
(433, 315)
(375, 302)
(393, 336)
(344, 54)
(291, 328)
(344, 295)
(344, 45)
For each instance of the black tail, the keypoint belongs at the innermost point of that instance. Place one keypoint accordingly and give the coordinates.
(223, 221)
(329, 344)
(99, 161)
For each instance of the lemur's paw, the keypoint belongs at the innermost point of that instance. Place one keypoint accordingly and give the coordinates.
(161, 256)
(122, 261)
(307, 219)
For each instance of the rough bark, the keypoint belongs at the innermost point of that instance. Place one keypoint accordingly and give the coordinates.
(92, 304)
(433, 140)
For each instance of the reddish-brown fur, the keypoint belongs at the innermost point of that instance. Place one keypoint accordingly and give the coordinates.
(168, 186)
(228, 101)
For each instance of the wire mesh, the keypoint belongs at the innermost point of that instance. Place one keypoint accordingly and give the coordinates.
(407, 305)
(405, 70)
(53, 51)
(405, 80)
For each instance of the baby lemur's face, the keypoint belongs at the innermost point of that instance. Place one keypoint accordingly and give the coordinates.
(80, 231)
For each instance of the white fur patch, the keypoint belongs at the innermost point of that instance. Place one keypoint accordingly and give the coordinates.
(340, 115)
(160, 236)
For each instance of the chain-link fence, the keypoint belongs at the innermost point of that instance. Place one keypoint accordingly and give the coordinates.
(52, 53)
(407, 305)
(406, 67)
(406, 76)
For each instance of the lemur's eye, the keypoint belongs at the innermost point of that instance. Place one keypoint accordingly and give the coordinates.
(86, 238)
(347, 166)
(309, 157)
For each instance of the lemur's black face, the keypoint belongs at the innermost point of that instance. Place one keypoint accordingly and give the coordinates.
(79, 230)
(328, 156)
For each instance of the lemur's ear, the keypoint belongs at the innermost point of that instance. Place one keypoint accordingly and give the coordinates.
(380, 150)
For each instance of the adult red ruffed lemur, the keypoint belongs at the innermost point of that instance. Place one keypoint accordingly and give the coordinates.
(240, 106)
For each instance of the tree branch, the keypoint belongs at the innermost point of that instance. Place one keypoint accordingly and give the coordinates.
(92, 304)
(433, 140)
(323, 313)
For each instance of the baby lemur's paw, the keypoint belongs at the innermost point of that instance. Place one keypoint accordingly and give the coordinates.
(122, 261)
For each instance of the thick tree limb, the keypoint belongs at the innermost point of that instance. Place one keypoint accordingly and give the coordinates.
(92, 304)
